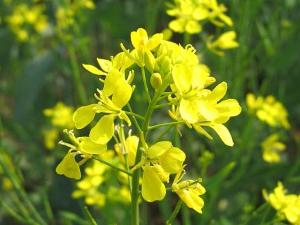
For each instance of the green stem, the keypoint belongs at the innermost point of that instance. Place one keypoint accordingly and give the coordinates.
(134, 114)
(165, 124)
(163, 105)
(89, 216)
(76, 76)
(174, 213)
(21, 191)
(111, 165)
(134, 119)
(187, 38)
(136, 174)
(145, 84)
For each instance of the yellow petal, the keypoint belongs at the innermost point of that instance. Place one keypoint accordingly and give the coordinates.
(191, 199)
(218, 92)
(182, 77)
(154, 41)
(131, 143)
(122, 93)
(223, 133)
(88, 146)
(193, 27)
(158, 149)
(92, 69)
(172, 160)
(177, 25)
(104, 64)
(103, 131)
(230, 107)
(111, 81)
(84, 115)
(188, 111)
(200, 130)
(153, 188)
(139, 38)
(69, 167)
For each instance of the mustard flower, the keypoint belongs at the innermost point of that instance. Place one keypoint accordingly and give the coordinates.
(66, 13)
(190, 15)
(60, 115)
(189, 192)
(196, 105)
(162, 159)
(287, 205)
(143, 47)
(84, 147)
(271, 148)
(115, 95)
(269, 110)
(27, 21)
(225, 41)
(120, 62)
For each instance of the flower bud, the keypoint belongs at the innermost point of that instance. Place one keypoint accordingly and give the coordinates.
(155, 80)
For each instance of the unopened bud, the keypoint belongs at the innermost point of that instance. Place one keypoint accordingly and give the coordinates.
(155, 80)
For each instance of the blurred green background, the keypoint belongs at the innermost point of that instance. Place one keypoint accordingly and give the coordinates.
(37, 73)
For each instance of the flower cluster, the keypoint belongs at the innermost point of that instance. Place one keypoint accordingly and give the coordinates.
(268, 110)
(191, 15)
(25, 21)
(60, 117)
(178, 81)
(271, 148)
(65, 13)
(286, 205)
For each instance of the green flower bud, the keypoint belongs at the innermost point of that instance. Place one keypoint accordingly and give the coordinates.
(155, 80)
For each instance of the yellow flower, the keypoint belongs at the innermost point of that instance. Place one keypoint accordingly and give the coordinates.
(119, 62)
(130, 149)
(61, 115)
(190, 15)
(69, 167)
(115, 95)
(66, 13)
(26, 20)
(199, 106)
(84, 148)
(189, 192)
(162, 159)
(225, 41)
(143, 45)
(268, 110)
(50, 138)
(287, 205)
(271, 148)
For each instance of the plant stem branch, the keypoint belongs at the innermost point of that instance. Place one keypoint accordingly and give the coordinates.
(165, 124)
(174, 213)
(111, 165)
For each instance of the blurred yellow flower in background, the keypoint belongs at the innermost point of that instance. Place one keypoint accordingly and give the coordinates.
(269, 110)
(226, 40)
(286, 205)
(27, 20)
(271, 148)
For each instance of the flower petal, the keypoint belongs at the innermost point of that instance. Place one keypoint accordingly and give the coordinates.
(84, 115)
(153, 188)
(69, 167)
(223, 133)
(103, 131)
